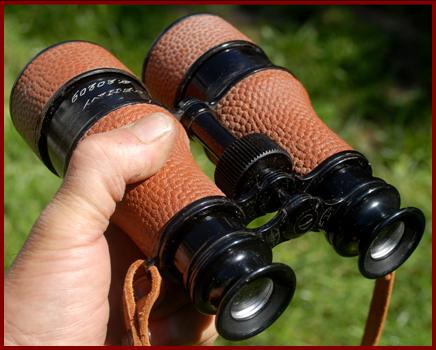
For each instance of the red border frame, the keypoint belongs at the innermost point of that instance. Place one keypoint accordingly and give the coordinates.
(245, 2)
(221, 2)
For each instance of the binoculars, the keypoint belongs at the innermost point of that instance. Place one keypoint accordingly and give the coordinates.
(272, 154)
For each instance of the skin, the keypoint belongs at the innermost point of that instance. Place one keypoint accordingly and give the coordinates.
(64, 287)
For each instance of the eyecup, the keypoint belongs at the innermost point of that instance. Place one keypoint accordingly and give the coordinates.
(284, 287)
(414, 221)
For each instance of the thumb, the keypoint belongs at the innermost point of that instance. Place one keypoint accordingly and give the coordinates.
(96, 179)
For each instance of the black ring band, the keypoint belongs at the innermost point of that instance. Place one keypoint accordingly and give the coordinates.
(77, 105)
(219, 68)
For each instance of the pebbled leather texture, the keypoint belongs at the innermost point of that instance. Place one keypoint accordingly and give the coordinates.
(273, 102)
(147, 206)
(179, 47)
(270, 101)
(45, 74)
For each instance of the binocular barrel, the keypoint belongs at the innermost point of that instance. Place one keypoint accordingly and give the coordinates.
(204, 57)
(75, 89)
(46, 81)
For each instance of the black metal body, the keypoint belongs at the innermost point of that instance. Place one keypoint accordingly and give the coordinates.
(340, 195)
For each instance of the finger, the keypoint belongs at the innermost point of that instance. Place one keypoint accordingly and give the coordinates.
(97, 175)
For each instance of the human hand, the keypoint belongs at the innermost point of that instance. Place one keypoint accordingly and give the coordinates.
(56, 292)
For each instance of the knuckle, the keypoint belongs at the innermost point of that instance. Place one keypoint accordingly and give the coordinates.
(91, 150)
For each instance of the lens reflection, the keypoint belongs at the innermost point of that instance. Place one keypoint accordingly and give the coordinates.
(251, 298)
(387, 240)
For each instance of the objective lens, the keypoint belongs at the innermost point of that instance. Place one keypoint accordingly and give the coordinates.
(387, 240)
(251, 298)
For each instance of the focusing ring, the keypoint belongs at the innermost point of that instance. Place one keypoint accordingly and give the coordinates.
(245, 160)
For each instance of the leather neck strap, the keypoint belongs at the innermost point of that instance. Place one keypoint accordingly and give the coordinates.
(378, 310)
(142, 287)
(141, 290)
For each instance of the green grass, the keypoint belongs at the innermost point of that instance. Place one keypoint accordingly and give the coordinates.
(368, 74)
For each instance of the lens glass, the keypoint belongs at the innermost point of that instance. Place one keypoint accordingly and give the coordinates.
(387, 240)
(251, 298)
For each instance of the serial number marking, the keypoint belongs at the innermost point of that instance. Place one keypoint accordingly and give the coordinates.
(100, 84)
(90, 101)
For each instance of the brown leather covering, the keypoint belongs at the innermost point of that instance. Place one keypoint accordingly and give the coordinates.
(45, 74)
(275, 103)
(179, 48)
(270, 101)
(147, 206)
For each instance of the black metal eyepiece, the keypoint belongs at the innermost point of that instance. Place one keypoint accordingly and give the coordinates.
(392, 242)
(255, 301)
(227, 270)
(365, 217)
